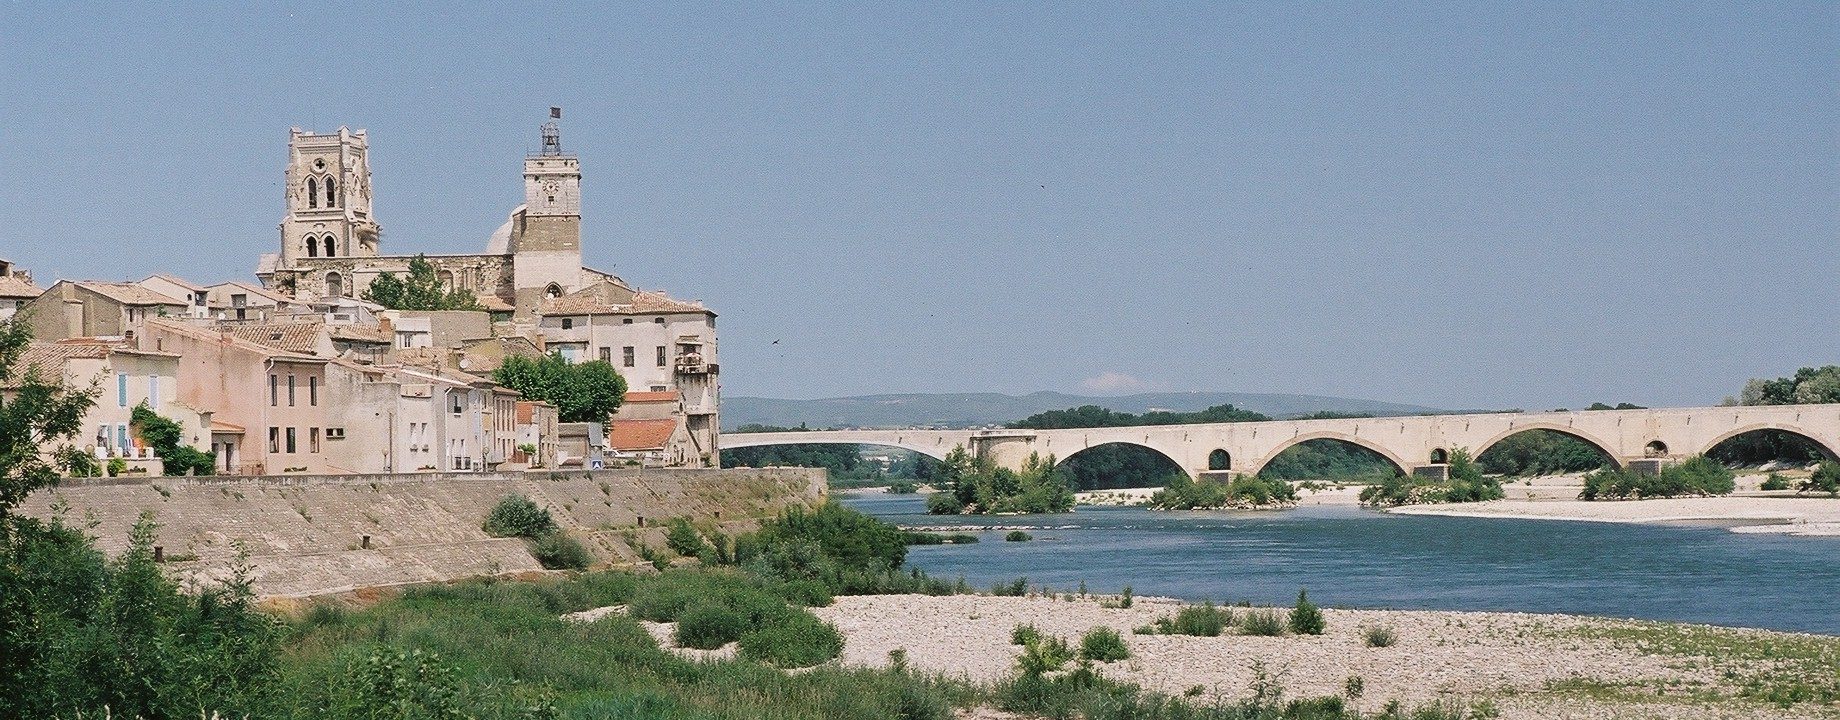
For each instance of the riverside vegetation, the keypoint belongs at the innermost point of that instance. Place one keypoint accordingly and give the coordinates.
(970, 485)
(1465, 484)
(1242, 491)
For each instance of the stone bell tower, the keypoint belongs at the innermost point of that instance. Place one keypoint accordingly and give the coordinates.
(546, 241)
(328, 198)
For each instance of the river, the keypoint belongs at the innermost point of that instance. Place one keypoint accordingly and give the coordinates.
(1355, 557)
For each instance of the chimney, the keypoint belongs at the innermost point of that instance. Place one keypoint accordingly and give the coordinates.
(384, 325)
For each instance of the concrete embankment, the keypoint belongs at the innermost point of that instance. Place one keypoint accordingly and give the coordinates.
(316, 535)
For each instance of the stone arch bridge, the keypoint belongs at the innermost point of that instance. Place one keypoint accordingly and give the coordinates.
(1641, 439)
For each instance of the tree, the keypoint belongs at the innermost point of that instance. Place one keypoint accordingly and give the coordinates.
(44, 412)
(420, 290)
(167, 439)
(1807, 386)
(581, 392)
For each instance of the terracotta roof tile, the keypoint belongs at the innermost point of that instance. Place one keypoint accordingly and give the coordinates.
(181, 282)
(300, 338)
(640, 434)
(49, 358)
(361, 333)
(12, 286)
(129, 293)
(643, 396)
(593, 301)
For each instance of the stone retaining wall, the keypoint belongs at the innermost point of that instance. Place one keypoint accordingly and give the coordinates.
(305, 535)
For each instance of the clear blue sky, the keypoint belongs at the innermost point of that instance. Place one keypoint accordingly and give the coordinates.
(1468, 205)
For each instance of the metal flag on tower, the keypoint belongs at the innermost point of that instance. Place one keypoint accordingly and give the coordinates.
(555, 113)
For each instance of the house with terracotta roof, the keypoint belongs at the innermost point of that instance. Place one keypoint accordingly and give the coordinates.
(82, 308)
(272, 412)
(537, 435)
(194, 295)
(243, 302)
(126, 377)
(16, 289)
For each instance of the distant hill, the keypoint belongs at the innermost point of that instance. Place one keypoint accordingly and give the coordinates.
(955, 410)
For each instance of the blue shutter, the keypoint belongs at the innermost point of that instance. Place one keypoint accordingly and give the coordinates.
(121, 389)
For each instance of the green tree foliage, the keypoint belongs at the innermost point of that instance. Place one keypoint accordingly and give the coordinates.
(846, 537)
(1764, 446)
(1826, 478)
(1091, 416)
(1807, 386)
(517, 516)
(1119, 465)
(1698, 475)
(1541, 452)
(975, 486)
(1326, 459)
(167, 439)
(419, 290)
(1103, 644)
(581, 392)
(44, 415)
(396, 684)
(1242, 491)
(1618, 406)
(1467, 483)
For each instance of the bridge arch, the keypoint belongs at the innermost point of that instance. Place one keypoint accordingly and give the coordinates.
(1602, 447)
(1392, 458)
(1171, 465)
(1827, 449)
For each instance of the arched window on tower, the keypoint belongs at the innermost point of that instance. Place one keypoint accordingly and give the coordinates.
(332, 192)
(331, 246)
(335, 285)
(312, 246)
(553, 291)
(312, 192)
(447, 279)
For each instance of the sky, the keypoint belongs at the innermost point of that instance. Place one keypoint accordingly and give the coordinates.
(1467, 205)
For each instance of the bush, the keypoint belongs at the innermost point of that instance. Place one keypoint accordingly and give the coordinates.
(1774, 482)
(1826, 478)
(1181, 493)
(558, 550)
(943, 503)
(1262, 622)
(1466, 484)
(1018, 536)
(517, 516)
(684, 540)
(1204, 620)
(1014, 588)
(798, 639)
(903, 488)
(1023, 635)
(1379, 636)
(1305, 618)
(1697, 475)
(117, 466)
(1103, 644)
(709, 626)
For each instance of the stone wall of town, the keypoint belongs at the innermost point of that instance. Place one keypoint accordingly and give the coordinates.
(317, 535)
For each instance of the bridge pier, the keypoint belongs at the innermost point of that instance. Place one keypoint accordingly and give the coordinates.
(1432, 472)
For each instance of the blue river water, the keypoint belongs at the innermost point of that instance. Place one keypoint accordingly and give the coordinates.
(1354, 557)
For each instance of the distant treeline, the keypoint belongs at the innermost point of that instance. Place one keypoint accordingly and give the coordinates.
(844, 462)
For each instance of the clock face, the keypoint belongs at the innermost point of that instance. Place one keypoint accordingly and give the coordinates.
(552, 186)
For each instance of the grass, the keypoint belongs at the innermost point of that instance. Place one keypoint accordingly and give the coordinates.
(1103, 644)
(1263, 621)
(1379, 636)
(1779, 669)
(1204, 620)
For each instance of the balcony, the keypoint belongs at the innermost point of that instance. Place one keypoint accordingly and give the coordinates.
(692, 364)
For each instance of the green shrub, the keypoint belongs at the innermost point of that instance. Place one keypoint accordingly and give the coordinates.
(1103, 644)
(1698, 475)
(1774, 482)
(1045, 653)
(1306, 619)
(117, 466)
(943, 503)
(709, 626)
(1018, 536)
(397, 684)
(517, 516)
(1379, 636)
(167, 439)
(666, 597)
(1182, 493)
(1014, 588)
(558, 550)
(683, 539)
(1826, 478)
(1204, 620)
(1023, 635)
(903, 488)
(799, 639)
(1263, 621)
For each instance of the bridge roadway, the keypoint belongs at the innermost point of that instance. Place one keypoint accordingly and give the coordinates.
(1416, 444)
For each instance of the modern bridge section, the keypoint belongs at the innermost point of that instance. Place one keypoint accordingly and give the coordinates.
(1644, 437)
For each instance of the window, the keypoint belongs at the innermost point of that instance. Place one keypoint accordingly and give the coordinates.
(274, 439)
(659, 388)
(121, 389)
(553, 291)
(312, 247)
(153, 391)
(338, 433)
(330, 248)
(660, 321)
(312, 192)
(661, 356)
(313, 390)
(626, 356)
(332, 193)
(568, 323)
(121, 436)
(239, 300)
(335, 285)
(312, 440)
(291, 447)
(290, 393)
(453, 402)
(274, 391)
(607, 355)
(625, 321)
